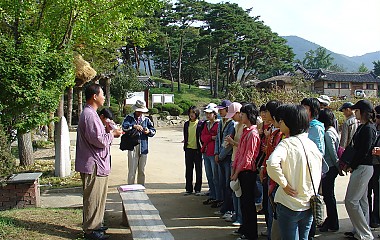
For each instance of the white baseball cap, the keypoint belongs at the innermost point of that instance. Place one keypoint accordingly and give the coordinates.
(211, 107)
(235, 186)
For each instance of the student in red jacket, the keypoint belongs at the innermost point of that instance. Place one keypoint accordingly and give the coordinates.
(208, 135)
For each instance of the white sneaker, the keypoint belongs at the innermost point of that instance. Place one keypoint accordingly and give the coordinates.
(218, 213)
(259, 207)
(228, 214)
(236, 223)
(229, 219)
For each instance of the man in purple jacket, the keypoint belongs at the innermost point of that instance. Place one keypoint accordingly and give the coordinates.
(93, 162)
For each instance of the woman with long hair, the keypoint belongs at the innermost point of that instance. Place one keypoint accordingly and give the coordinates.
(361, 168)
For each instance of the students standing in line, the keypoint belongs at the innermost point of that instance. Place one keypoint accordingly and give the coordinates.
(331, 223)
(223, 153)
(374, 186)
(192, 147)
(235, 107)
(244, 169)
(208, 136)
(349, 126)
(361, 169)
(289, 166)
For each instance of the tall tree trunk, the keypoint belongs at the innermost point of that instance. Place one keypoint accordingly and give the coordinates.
(108, 92)
(69, 30)
(70, 93)
(137, 60)
(60, 111)
(170, 67)
(217, 74)
(51, 127)
(210, 68)
(25, 149)
(149, 66)
(233, 78)
(180, 64)
(80, 101)
(146, 72)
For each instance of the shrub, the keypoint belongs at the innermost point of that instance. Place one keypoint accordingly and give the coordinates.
(7, 160)
(153, 111)
(42, 144)
(185, 105)
(127, 109)
(172, 108)
(164, 114)
(119, 120)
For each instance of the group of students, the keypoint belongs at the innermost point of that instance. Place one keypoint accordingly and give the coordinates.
(272, 158)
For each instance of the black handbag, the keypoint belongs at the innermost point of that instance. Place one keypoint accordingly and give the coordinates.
(348, 155)
(129, 139)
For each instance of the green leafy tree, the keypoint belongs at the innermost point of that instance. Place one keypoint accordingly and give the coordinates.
(32, 79)
(123, 84)
(317, 59)
(337, 68)
(243, 44)
(376, 67)
(39, 38)
(362, 68)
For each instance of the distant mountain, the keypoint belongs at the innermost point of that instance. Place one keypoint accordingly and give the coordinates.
(351, 64)
(367, 59)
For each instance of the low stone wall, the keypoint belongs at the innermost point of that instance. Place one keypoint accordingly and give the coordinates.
(20, 194)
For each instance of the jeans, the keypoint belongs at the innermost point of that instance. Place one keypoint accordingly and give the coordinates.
(270, 211)
(259, 198)
(237, 208)
(294, 224)
(248, 209)
(328, 185)
(224, 168)
(193, 159)
(373, 187)
(212, 177)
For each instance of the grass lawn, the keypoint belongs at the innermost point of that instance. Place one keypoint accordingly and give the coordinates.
(199, 96)
(37, 223)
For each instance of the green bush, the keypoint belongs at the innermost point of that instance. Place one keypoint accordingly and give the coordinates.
(185, 105)
(127, 109)
(164, 114)
(153, 111)
(7, 160)
(172, 108)
(119, 120)
(42, 144)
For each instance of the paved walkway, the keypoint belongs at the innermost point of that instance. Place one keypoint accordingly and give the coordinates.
(185, 216)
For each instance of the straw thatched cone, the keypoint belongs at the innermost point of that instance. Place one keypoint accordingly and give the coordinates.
(83, 71)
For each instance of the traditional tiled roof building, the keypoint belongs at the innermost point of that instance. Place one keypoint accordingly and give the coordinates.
(327, 82)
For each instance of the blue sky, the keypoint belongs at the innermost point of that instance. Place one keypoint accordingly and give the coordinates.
(349, 27)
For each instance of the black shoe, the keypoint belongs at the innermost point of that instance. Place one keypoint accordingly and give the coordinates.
(349, 234)
(217, 204)
(96, 235)
(325, 228)
(102, 229)
(374, 225)
(208, 201)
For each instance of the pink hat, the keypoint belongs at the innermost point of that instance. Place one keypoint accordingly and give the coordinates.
(232, 109)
